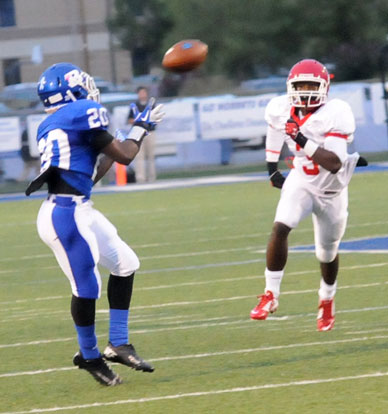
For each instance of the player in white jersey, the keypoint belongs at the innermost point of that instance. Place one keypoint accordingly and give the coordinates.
(76, 151)
(317, 132)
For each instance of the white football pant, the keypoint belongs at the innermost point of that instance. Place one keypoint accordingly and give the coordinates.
(81, 238)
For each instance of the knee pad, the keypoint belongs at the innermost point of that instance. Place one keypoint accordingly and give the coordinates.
(88, 290)
(326, 253)
(127, 263)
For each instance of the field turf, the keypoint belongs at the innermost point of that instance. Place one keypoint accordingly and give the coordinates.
(202, 254)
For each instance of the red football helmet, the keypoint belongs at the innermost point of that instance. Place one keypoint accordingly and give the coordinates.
(305, 71)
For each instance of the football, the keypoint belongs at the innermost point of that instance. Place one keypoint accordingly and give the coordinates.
(185, 55)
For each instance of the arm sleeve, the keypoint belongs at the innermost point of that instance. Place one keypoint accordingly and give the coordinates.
(99, 139)
(275, 115)
(341, 129)
(273, 144)
(338, 146)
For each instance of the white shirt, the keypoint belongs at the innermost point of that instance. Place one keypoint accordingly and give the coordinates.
(331, 127)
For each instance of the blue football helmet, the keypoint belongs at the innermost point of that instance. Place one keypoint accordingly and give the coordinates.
(63, 83)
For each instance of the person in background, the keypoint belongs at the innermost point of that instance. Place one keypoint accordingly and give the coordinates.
(145, 161)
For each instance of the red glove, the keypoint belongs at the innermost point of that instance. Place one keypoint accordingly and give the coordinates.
(292, 128)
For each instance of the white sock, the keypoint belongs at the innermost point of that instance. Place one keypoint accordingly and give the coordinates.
(273, 279)
(327, 292)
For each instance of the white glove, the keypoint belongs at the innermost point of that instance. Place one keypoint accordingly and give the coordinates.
(156, 114)
(146, 120)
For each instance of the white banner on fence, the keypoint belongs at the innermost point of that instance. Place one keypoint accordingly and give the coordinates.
(377, 93)
(10, 134)
(352, 94)
(119, 118)
(178, 125)
(33, 122)
(233, 117)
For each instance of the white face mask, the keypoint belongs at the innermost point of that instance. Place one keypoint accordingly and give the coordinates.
(143, 101)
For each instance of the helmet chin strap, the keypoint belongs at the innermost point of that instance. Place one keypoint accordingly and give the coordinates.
(70, 94)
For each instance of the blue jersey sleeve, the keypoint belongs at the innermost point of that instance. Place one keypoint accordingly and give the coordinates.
(89, 115)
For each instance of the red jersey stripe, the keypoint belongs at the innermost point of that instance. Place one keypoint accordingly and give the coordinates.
(336, 134)
(299, 121)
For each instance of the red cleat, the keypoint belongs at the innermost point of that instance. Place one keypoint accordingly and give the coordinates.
(326, 315)
(268, 304)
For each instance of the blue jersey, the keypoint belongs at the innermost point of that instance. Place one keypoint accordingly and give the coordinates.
(65, 141)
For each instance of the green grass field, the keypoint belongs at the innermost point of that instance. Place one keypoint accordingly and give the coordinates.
(202, 266)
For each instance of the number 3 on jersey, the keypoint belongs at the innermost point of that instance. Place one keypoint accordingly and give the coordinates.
(97, 117)
(314, 170)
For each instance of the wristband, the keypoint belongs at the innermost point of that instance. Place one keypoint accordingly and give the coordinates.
(137, 133)
(300, 139)
(310, 148)
(272, 168)
(148, 126)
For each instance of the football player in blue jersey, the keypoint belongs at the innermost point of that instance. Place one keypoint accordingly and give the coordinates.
(70, 142)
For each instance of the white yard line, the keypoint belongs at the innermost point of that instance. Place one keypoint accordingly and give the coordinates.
(40, 342)
(211, 239)
(29, 257)
(150, 271)
(202, 282)
(232, 298)
(304, 272)
(201, 253)
(38, 372)
(203, 393)
(268, 348)
(183, 268)
(366, 331)
(65, 315)
(203, 240)
(194, 326)
(31, 313)
(161, 256)
(23, 271)
(243, 262)
(219, 353)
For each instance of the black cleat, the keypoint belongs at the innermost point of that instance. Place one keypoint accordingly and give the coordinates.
(126, 355)
(98, 368)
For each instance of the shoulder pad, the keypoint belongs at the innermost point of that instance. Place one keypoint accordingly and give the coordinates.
(278, 111)
(340, 117)
(80, 115)
(84, 104)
